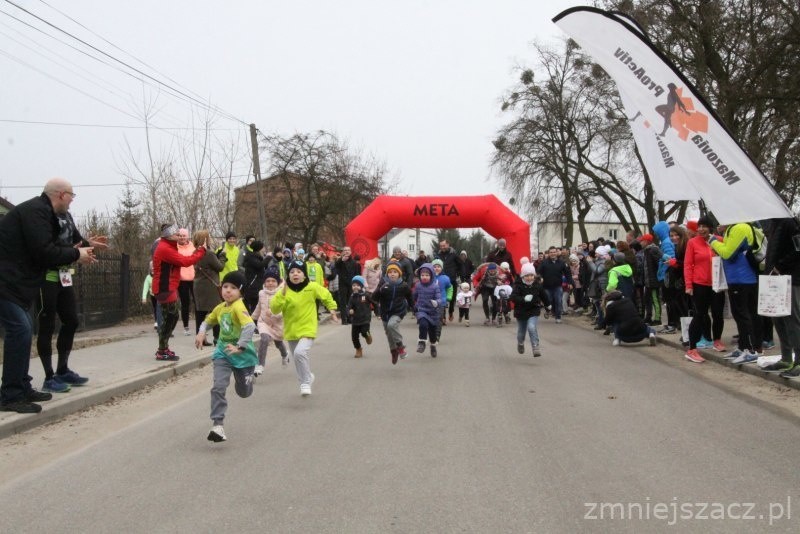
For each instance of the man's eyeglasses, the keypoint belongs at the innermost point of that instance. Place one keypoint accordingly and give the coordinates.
(70, 193)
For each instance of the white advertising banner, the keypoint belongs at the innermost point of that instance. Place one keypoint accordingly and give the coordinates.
(687, 151)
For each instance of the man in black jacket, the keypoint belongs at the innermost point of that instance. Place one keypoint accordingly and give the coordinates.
(346, 268)
(501, 254)
(29, 234)
(553, 271)
(450, 261)
(783, 257)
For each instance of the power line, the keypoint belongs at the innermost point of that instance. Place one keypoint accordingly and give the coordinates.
(120, 126)
(131, 67)
(210, 178)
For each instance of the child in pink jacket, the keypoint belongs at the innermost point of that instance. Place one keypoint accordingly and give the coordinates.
(270, 325)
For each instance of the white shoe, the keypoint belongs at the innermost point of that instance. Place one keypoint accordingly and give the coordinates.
(615, 343)
(259, 370)
(305, 390)
(217, 434)
(652, 339)
(155, 326)
(285, 360)
(186, 332)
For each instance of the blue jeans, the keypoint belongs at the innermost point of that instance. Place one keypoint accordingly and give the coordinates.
(530, 327)
(16, 382)
(555, 294)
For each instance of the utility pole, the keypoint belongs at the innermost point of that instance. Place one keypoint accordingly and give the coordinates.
(262, 222)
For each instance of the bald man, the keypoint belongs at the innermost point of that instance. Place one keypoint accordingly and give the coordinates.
(29, 234)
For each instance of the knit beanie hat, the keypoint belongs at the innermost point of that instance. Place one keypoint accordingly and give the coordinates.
(230, 235)
(394, 266)
(272, 272)
(357, 279)
(169, 230)
(691, 226)
(256, 245)
(619, 258)
(527, 269)
(505, 266)
(706, 221)
(646, 237)
(523, 260)
(438, 262)
(234, 278)
(491, 267)
(464, 287)
(297, 264)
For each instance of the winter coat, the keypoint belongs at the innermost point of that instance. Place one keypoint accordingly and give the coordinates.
(167, 262)
(255, 266)
(697, 263)
(29, 233)
(552, 273)
(346, 270)
(620, 277)
(268, 322)
(466, 268)
(299, 309)
(661, 229)
(622, 313)
(446, 288)
(498, 256)
(652, 257)
(393, 298)
(451, 263)
(316, 273)
(423, 295)
(525, 310)
(231, 258)
(781, 251)
(373, 278)
(738, 238)
(206, 293)
(362, 308)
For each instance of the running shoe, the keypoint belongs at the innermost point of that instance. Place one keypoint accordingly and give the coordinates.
(746, 357)
(217, 434)
(54, 385)
(520, 348)
(733, 354)
(72, 378)
(704, 344)
(719, 346)
(259, 370)
(768, 344)
(693, 356)
(778, 367)
(794, 372)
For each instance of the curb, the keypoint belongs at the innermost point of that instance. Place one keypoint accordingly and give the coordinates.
(716, 357)
(59, 408)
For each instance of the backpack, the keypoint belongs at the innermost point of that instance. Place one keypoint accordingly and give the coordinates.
(757, 252)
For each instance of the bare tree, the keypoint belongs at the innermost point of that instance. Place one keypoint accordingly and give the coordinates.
(320, 184)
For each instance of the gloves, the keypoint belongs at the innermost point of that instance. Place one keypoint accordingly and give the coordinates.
(435, 303)
(672, 262)
(528, 298)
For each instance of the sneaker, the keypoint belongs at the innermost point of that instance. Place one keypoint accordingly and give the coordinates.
(794, 372)
(37, 396)
(401, 352)
(704, 344)
(155, 327)
(734, 354)
(718, 345)
(693, 356)
(72, 378)
(558, 321)
(368, 337)
(166, 355)
(599, 327)
(768, 344)
(521, 348)
(217, 434)
(21, 406)
(466, 323)
(668, 329)
(778, 367)
(285, 360)
(746, 357)
(186, 332)
(55, 385)
(536, 351)
(259, 370)
(652, 337)
(433, 350)
(305, 390)
(615, 342)
(421, 347)
(394, 356)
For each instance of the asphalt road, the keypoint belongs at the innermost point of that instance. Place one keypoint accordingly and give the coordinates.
(588, 438)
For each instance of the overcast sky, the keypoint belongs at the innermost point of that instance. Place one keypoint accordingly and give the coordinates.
(417, 83)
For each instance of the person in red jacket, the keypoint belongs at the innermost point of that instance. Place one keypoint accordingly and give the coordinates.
(167, 262)
(697, 279)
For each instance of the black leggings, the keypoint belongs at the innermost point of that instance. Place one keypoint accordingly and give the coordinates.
(185, 292)
(487, 294)
(55, 300)
(357, 330)
(705, 298)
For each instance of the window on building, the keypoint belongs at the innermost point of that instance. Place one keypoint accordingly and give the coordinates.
(411, 248)
(612, 234)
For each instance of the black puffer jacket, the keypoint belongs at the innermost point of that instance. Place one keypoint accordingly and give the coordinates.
(525, 310)
(29, 233)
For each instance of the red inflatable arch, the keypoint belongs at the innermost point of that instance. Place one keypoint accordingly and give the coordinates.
(486, 212)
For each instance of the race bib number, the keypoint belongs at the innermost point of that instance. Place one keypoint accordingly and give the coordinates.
(65, 276)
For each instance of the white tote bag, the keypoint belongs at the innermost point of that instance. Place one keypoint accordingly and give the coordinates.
(718, 281)
(774, 296)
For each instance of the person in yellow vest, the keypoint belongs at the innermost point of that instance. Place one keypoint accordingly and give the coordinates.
(231, 251)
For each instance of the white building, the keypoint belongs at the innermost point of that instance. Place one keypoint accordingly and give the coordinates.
(410, 239)
(554, 233)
